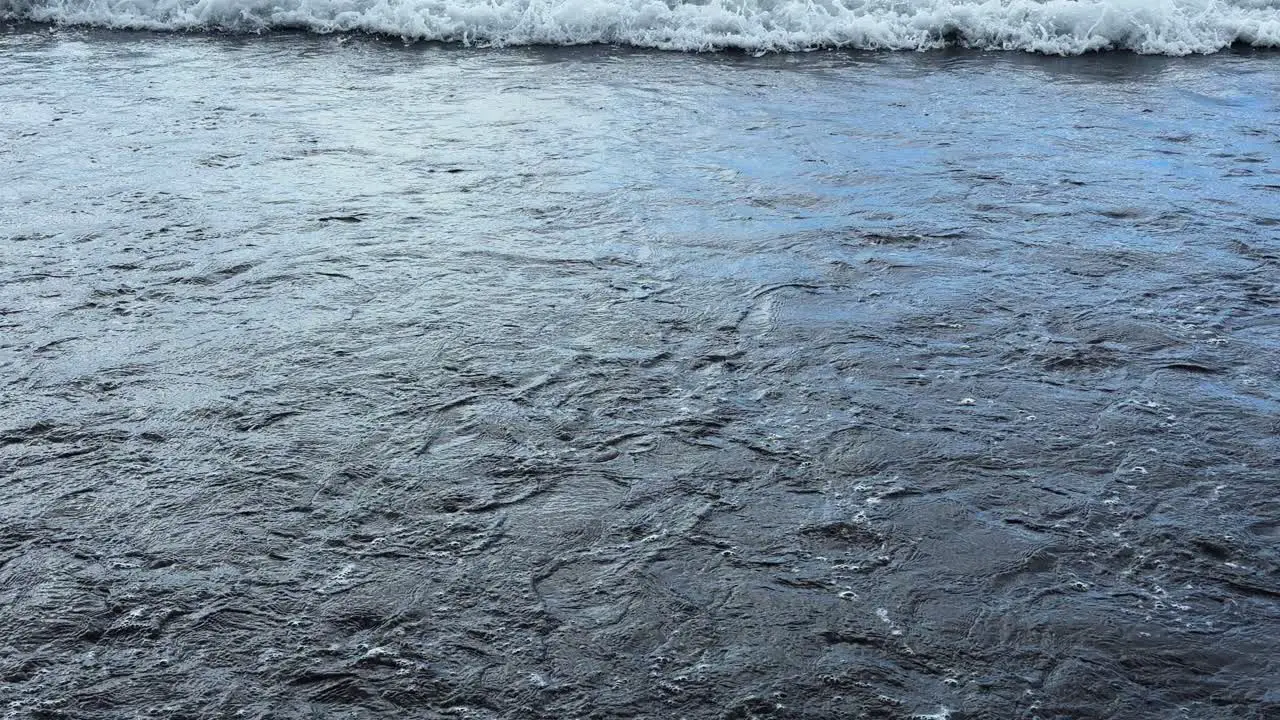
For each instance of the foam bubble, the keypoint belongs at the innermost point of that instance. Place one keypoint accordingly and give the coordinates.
(1064, 27)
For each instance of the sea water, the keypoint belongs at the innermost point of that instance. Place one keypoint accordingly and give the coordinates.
(348, 377)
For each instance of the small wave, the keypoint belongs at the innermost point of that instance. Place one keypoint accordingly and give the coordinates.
(1057, 27)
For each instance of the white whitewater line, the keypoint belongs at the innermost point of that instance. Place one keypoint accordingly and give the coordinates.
(1058, 27)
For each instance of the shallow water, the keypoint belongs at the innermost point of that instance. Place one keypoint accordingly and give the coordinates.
(343, 378)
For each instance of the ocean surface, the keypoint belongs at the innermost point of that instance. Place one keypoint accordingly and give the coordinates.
(447, 359)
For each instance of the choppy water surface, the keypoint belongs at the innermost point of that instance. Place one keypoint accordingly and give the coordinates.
(345, 379)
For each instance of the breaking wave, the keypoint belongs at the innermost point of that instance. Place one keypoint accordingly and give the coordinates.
(1061, 27)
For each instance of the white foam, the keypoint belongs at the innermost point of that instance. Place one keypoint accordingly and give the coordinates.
(1064, 27)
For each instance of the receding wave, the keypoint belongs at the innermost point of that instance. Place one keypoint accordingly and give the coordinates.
(1063, 27)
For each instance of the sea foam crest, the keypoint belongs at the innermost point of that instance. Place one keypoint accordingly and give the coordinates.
(1065, 27)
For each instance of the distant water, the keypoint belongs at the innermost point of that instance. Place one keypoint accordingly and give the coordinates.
(1059, 27)
(345, 378)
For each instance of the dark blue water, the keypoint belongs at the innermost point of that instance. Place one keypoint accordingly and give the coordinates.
(348, 379)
